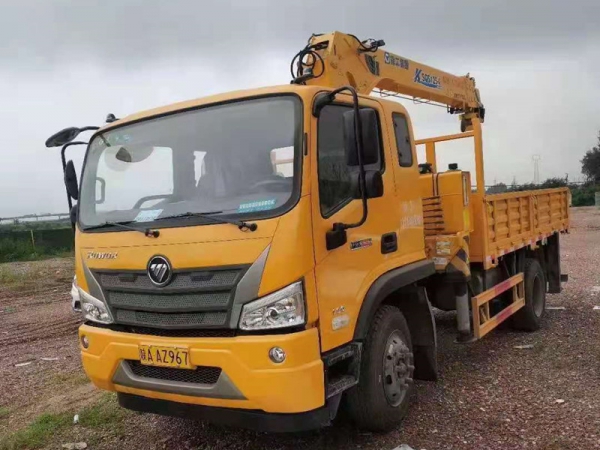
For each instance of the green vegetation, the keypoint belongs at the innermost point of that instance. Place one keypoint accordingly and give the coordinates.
(71, 378)
(32, 245)
(590, 164)
(3, 412)
(584, 195)
(581, 194)
(13, 275)
(37, 433)
(31, 225)
(105, 415)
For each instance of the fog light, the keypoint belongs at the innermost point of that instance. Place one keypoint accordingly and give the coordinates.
(277, 355)
(85, 342)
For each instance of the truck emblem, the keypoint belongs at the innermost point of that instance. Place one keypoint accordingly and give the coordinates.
(159, 271)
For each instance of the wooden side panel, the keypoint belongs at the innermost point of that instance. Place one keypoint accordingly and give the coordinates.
(518, 219)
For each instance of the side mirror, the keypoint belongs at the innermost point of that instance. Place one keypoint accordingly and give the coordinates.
(373, 184)
(100, 182)
(71, 180)
(370, 137)
(63, 137)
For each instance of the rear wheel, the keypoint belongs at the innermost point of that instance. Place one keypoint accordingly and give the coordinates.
(529, 318)
(380, 400)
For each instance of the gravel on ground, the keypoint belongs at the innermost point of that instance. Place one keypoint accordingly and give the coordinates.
(510, 390)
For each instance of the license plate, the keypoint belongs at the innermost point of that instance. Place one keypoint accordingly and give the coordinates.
(157, 355)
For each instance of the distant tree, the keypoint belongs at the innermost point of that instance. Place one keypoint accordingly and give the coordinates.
(554, 183)
(497, 188)
(590, 164)
(523, 187)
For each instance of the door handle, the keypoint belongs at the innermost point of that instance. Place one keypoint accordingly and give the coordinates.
(389, 243)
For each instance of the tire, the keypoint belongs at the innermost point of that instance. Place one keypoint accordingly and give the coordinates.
(380, 400)
(529, 318)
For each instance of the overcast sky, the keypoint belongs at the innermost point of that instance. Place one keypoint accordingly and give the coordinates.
(64, 63)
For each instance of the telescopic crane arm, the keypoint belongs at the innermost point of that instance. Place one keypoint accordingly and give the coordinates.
(339, 59)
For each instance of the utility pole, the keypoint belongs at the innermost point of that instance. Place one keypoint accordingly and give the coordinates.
(536, 168)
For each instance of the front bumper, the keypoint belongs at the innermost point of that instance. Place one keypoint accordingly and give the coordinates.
(249, 379)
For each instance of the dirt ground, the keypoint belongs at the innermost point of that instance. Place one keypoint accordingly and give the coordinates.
(491, 395)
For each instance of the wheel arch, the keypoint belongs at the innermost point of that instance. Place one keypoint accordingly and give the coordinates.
(399, 288)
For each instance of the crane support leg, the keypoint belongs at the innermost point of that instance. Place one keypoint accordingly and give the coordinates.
(463, 315)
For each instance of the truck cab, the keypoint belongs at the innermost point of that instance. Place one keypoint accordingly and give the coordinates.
(262, 319)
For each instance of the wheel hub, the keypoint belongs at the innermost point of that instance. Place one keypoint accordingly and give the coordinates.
(398, 369)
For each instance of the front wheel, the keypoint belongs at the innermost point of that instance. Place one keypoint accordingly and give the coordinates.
(380, 400)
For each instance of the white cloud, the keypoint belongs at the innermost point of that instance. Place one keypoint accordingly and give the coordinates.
(70, 63)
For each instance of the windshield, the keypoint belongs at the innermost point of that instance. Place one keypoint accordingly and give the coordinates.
(238, 159)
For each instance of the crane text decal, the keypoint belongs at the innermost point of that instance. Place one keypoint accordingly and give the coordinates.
(395, 60)
(412, 214)
(427, 80)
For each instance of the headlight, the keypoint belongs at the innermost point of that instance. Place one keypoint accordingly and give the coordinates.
(284, 308)
(94, 309)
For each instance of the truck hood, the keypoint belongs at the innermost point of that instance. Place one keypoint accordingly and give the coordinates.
(185, 247)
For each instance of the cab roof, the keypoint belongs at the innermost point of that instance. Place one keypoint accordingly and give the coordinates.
(213, 99)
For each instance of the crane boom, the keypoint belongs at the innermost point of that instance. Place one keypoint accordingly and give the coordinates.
(338, 59)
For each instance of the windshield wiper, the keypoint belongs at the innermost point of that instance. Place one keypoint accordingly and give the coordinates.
(148, 232)
(241, 224)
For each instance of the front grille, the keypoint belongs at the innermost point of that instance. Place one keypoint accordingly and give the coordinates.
(195, 298)
(168, 302)
(200, 375)
(195, 280)
(172, 320)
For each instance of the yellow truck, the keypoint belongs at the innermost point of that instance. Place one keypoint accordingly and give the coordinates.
(256, 257)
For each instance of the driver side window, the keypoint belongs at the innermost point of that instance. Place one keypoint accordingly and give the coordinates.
(334, 173)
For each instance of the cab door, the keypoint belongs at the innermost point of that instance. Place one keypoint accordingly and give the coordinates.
(411, 238)
(344, 274)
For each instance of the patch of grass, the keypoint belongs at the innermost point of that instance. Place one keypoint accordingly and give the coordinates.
(104, 416)
(106, 413)
(15, 250)
(71, 378)
(18, 249)
(21, 275)
(3, 412)
(38, 433)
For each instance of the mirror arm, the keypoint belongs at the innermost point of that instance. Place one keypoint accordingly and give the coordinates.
(64, 147)
(64, 164)
(89, 128)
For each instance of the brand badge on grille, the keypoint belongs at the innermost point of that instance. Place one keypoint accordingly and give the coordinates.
(159, 271)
